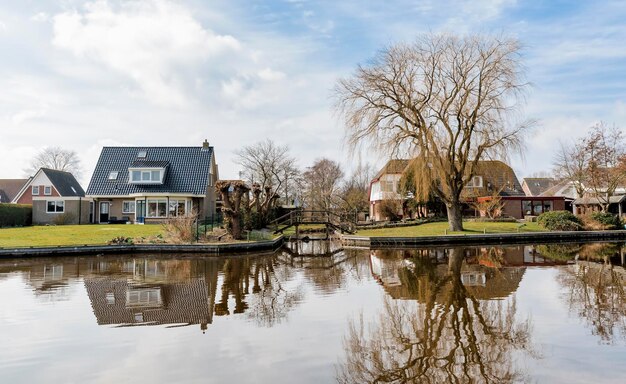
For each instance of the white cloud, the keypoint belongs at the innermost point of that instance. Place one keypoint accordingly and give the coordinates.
(152, 42)
(40, 17)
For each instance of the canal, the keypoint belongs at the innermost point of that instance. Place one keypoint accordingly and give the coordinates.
(526, 313)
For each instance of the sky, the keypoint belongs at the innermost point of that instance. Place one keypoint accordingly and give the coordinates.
(86, 74)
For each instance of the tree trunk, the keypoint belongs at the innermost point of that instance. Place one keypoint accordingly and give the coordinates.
(235, 225)
(455, 216)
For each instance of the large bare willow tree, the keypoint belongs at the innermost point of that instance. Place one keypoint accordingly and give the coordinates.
(445, 101)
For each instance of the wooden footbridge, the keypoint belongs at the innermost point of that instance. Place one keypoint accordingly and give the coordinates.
(343, 222)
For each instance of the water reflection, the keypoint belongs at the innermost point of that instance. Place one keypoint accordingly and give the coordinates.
(428, 315)
(452, 334)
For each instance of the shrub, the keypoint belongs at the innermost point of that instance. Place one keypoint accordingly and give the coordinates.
(390, 209)
(181, 229)
(607, 220)
(64, 218)
(15, 215)
(563, 252)
(121, 240)
(559, 221)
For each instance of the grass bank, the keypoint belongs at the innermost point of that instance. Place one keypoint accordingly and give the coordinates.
(72, 234)
(440, 228)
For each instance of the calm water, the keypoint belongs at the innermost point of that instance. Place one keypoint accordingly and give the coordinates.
(548, 313)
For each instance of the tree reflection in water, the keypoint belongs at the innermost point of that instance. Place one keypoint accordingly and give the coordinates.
(448, 335)
(257, 286)
(595, 291)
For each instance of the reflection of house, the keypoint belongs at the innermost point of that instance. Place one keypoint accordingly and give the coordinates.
(151, 292)
(116, 300)
(400, 272)
(53, 193)
(150, 184)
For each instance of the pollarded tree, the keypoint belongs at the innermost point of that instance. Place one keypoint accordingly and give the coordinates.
(233, 194)
(447, 101)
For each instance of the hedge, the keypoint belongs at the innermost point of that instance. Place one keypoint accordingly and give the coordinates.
(559, 221)
(16, 215)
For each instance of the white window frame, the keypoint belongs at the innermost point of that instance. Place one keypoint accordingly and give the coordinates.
(475, 182)
(47, 190)
(157, 201)
(177, 201)
(35, 190)
(125, 206)
(146, 175)
(57, 204)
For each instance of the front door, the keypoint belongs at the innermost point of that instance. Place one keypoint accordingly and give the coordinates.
(104, 212)
(140, 211)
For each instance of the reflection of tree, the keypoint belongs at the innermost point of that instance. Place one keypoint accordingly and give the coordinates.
(559, 251)
(258, 287)
(595, 292)
(448, 336)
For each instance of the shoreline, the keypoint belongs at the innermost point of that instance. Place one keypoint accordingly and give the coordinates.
(488, 238)
(209, 249)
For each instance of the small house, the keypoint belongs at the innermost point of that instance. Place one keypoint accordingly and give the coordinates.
(153, 184)
(57, 198)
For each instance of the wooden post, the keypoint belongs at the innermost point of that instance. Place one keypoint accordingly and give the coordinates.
(297, 232)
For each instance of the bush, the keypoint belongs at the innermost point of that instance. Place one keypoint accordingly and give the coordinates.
(16, 215)
(390, 209)
(607, 220)
(64, 218)
(181, 229)
(559, 221)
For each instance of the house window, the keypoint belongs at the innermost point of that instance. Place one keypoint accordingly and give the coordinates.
(177, 208)
(142, 154)
(55, 206)
(475, 182)
(527, 207)
(35, 190)
(146, 176)
(113, 175)
(128, 206)
(387, 186)
(547, 206)
(47, 190)
(157, 208)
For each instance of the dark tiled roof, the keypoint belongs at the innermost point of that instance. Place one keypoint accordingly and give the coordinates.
(9, 188)
(187, 170)
(149, 164)
(64, 182)
(538, 185)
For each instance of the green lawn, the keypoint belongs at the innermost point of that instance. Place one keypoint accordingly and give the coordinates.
(72, 234)
(439, 228)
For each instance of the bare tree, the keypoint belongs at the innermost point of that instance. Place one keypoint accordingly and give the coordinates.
(446, 101)
(55, 158)
(355, 191)
(270, 166)
(595, 163)
(322, 184)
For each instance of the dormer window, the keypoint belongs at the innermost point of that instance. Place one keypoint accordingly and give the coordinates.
(113, 175)
(142, 154)
(146, 176)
